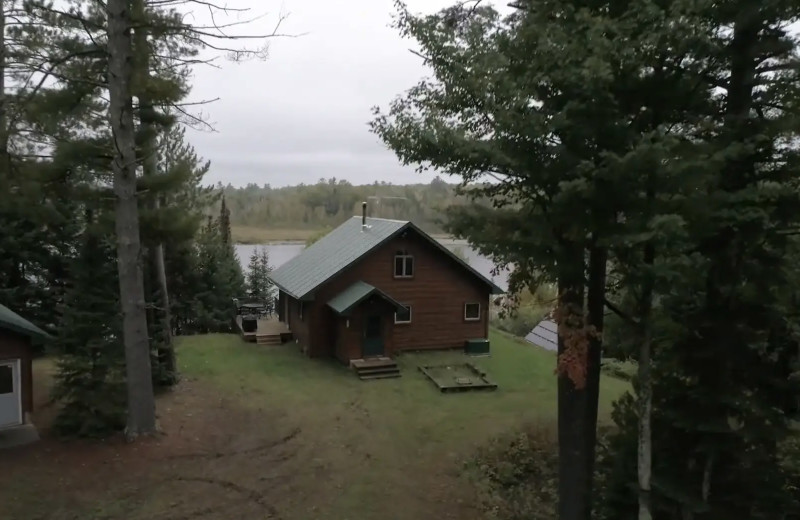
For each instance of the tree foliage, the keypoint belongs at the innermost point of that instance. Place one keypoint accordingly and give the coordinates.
(640, 156)
(330, 202)
(90, 382)
(259, 286)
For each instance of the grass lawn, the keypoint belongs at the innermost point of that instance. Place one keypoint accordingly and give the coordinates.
(262, 432)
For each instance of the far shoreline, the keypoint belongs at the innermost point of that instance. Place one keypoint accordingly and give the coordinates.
(254, 236)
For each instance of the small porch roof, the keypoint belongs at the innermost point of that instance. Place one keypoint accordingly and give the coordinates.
(344, 302)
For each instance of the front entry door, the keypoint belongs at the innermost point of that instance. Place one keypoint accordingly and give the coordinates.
(10, 394)
(373, 338)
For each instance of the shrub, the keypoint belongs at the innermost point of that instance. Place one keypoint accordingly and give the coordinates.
(624, 370)
(524, 311)
(517, 476)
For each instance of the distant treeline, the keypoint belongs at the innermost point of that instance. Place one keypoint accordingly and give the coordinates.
(330, 202)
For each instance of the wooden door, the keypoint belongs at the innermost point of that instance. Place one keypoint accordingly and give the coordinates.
(10, 394)
(373, 336)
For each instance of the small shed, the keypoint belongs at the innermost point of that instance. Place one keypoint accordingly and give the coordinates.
(544, 335)
(16, 369)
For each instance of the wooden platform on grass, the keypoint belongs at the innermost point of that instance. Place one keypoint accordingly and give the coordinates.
(375, 368)
(269, 331)
(459, 377)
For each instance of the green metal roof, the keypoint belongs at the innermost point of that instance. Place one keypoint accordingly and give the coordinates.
(344, 302)
(334, 252)
(12, 321)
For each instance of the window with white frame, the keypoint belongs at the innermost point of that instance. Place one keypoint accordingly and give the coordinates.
(403, 316)
(472, 311)
(403, 265)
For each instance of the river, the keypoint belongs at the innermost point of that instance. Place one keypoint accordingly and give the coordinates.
(282, 252)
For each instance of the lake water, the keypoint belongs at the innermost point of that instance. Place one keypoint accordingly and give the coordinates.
(280, 253)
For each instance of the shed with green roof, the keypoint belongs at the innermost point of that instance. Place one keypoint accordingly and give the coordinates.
(16, 371)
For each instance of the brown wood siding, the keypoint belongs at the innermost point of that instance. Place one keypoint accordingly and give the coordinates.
(437, 294)
(348, 337)
(300, 327)
(350, 332)
(281, 306)
(16, 346)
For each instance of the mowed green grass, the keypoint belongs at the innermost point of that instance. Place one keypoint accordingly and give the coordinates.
(398, 432)
(283, 377)
(255, 426)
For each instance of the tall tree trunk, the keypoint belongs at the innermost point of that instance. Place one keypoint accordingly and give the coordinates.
(644, 463)
(4, 130)
(147, 117)
(141, 402)
(595, 302)
(574, 497)
(578, 400)
(166, 349)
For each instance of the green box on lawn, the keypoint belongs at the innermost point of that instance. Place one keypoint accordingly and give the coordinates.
(477, 347)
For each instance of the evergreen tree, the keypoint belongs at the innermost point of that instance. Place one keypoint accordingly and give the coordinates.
(258, 283)
(554, 132)
(731, 348)
(90, 382)
(220, 280)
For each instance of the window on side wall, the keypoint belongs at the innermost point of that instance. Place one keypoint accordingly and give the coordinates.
(472, 311)
(403, 265)
(403, 316)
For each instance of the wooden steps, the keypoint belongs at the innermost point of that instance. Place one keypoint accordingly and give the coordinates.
(375, 368)
(268, 339)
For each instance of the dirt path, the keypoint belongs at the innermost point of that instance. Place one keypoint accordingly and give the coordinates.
(218, 461)
(215, 461)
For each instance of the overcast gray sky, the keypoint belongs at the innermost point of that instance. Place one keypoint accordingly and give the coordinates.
(302, 114)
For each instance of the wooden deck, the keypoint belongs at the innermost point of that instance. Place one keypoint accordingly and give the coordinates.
(270, 331)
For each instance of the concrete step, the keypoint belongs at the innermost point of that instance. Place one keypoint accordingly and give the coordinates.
(373, 362)
(377, 370)
(368, 377)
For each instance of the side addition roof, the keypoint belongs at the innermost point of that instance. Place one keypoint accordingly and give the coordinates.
(344, 302)
(10, 320)
(343, 246)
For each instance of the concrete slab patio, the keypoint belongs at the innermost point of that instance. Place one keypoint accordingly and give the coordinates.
(18, 436)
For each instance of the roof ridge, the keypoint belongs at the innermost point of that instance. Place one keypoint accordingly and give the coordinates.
(381, 218)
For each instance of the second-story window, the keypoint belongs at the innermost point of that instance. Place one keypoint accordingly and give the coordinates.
(403, 265)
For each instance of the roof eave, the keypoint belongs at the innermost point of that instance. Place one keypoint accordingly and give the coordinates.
(493, 288)
(348, 311)
(34, 333)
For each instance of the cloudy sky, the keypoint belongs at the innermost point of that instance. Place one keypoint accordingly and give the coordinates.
(302, 114)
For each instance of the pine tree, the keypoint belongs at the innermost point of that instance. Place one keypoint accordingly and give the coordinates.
(90, 382)
(141, 402)
(258, 283)
(254, 275)
(220, 280)
(554, 132)
(267, 287)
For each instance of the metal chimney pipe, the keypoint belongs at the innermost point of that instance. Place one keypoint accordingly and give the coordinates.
(363, 214)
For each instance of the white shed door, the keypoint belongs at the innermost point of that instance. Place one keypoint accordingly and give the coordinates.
(10, 394)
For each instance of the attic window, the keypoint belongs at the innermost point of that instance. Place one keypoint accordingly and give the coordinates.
(403, 265)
